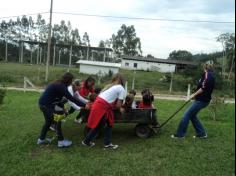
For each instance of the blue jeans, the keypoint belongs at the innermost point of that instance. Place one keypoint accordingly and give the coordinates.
(191, 114)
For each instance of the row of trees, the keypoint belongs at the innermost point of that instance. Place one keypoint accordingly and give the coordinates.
(26, 29)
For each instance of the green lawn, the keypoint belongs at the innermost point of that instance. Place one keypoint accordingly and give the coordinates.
(159, 155)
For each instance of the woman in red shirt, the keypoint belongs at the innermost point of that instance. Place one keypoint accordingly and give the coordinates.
(85, 91)
(87, 87)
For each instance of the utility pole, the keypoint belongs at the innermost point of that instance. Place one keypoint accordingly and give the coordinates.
(49, 42)
(171, 82)
(133, 82)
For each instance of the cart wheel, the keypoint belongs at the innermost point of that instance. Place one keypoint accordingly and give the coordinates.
(143, 131)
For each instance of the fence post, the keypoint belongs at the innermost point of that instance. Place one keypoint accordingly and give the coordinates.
(188, 92)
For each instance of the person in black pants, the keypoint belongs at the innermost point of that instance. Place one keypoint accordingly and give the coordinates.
(53, 94)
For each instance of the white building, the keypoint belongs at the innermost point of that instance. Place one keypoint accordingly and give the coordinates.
(151, 64)
(95, 67)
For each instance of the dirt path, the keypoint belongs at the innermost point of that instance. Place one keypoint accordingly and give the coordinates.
(157, 96)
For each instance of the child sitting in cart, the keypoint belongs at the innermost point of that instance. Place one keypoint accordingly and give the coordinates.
(130, 102)
(147, 103)
(84, 113)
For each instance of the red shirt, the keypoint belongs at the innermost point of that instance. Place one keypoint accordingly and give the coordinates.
(145, 106)
(84, 92)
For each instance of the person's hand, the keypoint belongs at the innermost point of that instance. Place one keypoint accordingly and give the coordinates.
(122, 110)
(192, 96)
(66, 112)
(87, 106)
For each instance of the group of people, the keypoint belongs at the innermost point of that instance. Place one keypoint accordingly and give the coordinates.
(98, 105)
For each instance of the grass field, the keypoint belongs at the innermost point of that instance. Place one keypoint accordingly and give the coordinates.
(159, 155)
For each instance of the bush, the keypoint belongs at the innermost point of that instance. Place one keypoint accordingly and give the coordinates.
(2, 95)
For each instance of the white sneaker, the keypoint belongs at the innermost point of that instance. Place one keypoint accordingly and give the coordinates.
(200, 136)
(52, 128)
(78, 120)
(64, 143)
(174, 136)
(44, 141)
(91, 144)
(111, 146)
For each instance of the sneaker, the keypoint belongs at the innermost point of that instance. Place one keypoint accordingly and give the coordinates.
(111, 146)
(52, 128)
(78, 120)
(200, 136)
(44, 141)
(91, 144)
(64, 143)
(174, 136)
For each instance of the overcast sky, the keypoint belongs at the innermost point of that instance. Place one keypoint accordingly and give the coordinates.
(158, 37)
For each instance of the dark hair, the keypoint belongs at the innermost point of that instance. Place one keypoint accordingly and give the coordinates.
(148, 98)
(132, 92)
(65, 79)
(89, 79)
(97, 90)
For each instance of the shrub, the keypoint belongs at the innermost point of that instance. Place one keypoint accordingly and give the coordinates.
(2, 95)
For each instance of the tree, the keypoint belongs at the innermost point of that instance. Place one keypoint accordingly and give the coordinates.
(228, 43)
(150, 56)
(125, 42)
(181, 55)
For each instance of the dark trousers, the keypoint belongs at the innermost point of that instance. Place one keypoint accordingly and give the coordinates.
(93, 132)
(48, 116)
(83, 113)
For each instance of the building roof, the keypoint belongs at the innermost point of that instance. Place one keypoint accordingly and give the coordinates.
(157, 60)
(96, 63)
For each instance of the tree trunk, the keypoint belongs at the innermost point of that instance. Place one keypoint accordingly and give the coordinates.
(54, 55)
(22, 52)
(6, 52)
(70, 56)
(231, 68)
(37, 62)
(31, 55)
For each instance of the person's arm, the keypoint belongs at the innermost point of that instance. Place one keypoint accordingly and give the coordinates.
(121, 97)
(203, 87)
(81, 98)
(199, 91)
(72, 99)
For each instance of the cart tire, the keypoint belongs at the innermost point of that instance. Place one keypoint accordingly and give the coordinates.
(143, 130)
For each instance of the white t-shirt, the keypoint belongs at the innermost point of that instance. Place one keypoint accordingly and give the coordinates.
(115, 92)
(77, 96)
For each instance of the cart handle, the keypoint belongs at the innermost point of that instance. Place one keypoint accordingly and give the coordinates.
(174, 114)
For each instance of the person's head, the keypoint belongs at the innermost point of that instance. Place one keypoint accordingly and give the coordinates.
(97, 90)
(118, 79)
(129, 99)
(67, 79)
(76, 85)
(147, 97)
(89, 82)
(133, 92)
(208, 66)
